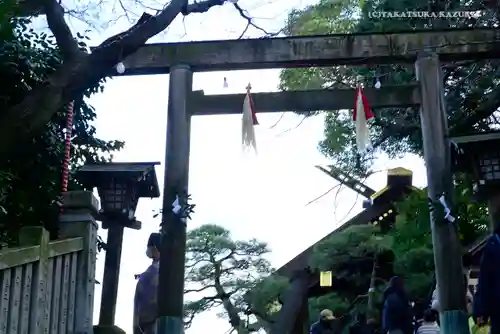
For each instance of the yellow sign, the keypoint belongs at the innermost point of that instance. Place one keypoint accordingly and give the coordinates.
(325, 278)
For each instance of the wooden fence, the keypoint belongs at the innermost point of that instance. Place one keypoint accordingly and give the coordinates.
(48, 287)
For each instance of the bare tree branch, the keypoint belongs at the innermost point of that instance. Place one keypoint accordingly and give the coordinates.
(81, 70)
(324, 194)
(76, 75)
(250, 22)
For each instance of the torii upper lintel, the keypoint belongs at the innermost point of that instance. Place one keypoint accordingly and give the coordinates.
(315, 51)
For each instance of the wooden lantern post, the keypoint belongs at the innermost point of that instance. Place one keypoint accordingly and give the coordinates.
(120, 185)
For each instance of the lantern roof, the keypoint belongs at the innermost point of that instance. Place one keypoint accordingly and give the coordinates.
(94, 175)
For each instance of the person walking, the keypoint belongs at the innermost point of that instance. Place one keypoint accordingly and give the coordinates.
(397, 313)
(487, 298)
(429, 326)
(326, 324)
(145, 298)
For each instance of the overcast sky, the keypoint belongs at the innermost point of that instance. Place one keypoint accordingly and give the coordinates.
(261, 196)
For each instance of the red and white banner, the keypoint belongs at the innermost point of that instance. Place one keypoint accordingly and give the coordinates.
(362, 115)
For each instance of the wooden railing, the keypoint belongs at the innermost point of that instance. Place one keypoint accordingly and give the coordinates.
(48, 287)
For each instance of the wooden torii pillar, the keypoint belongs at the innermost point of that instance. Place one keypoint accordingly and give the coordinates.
(182, 59)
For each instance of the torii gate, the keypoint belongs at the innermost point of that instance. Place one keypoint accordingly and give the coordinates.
(180, 60)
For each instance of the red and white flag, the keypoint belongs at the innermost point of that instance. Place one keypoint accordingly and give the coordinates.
(362, 115)
(249, 122)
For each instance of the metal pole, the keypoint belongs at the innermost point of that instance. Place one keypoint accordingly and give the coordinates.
(111, 275)
(447, 250)
(173, 246)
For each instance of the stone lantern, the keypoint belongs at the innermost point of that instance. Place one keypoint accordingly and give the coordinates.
(120, 185)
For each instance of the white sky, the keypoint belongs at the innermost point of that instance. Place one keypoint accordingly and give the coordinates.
(264, 196)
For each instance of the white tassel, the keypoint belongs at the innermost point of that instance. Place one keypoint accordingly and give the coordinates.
(248, 130)
(363, 141)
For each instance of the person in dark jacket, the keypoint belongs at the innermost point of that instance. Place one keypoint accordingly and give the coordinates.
(326, 324)
(397, 313)
(487, 299)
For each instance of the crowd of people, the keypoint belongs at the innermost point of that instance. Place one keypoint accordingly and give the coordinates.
(397, 313)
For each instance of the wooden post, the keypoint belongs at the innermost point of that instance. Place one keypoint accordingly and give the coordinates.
(447, 250)
(114, 244)
(173, 229)
(80, 210)
(372, 310)
(301, 325)
(39, 303)
(494, 210)
(292, 303)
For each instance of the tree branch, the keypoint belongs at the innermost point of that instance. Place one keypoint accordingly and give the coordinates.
(199, 290)
(485, 110)
(75, 76)
(232, 312)
(64, 38)
(389, 131)
(250, 22)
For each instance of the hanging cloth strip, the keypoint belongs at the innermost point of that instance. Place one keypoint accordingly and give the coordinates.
(249, 120)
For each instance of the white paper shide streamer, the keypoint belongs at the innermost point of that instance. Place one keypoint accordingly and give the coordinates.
(249, 121)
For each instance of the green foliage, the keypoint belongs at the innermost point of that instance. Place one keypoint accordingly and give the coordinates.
(414, 258)
(229, 273)
(8, 9)
(350, 254)
(331, 301)
(409, 240)
(31, 182)
(357, 242)
(396, 130)
(413, 241)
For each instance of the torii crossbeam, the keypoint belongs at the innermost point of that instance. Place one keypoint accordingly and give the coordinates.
(314, 51)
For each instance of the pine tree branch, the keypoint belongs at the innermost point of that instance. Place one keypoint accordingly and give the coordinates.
(232, 311)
